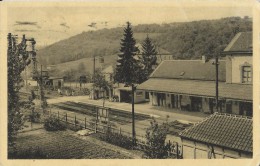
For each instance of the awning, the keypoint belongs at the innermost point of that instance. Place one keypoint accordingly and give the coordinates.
(198, 88)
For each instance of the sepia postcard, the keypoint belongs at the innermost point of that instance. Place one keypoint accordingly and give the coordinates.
(157, 82)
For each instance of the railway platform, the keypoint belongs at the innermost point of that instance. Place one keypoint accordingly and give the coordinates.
(142, 108)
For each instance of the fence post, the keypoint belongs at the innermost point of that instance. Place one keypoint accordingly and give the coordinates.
(66, 117)
(85, 123)
(177, 149)
(96, 126)
(120, 130)
(96, 119)
(58, 115)
(75, 120)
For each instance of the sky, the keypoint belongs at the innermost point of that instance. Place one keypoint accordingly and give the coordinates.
(49, 24)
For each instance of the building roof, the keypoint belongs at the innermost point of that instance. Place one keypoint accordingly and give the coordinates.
(190, 69)
(198, 88)
(224, 130)
(54, 78)
(241, 43)
(160, 51)
(108, 70)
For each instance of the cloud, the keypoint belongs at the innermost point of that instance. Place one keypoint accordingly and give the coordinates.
(64, 25)
(24, 30)
(25, 23)
(93, 25)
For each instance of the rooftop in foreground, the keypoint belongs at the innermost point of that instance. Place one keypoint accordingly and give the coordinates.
(231, 131)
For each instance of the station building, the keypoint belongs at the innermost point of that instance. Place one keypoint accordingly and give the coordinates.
(191, 84)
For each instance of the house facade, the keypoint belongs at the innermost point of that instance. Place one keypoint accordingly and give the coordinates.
(219, 136)
(191, 84)
(162, 54)
(54, 82)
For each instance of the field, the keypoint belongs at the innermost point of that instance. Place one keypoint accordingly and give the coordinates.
(66, 145)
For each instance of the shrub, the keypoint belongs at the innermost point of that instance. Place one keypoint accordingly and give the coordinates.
(117, 139)
(155, 136)
(35, 117)
(53, 124)
(30, 153)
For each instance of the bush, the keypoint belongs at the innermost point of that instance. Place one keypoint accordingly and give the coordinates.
(30, 153)
(54, 124)
(117, 139)
(156, 135)
(35, 117)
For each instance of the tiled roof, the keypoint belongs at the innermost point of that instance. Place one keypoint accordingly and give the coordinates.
(189, 69)
(198, 88)
(53, 78)
(242, 42)
(225, 130)
(160, 51)
(108, 70)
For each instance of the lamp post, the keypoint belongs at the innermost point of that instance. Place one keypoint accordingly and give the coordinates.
(133, 115)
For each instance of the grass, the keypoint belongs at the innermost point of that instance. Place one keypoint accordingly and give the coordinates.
(88, 63)
(63, 145)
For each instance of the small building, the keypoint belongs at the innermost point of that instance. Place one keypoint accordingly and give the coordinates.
(54, 82)
(108, 73)
(125, 94)
(162, 54)
(31, 82)
(219, 136)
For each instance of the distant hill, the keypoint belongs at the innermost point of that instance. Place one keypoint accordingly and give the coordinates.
(184, 40)
(84, 66)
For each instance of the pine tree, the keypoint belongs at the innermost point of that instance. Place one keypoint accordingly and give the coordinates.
(148, 57)
(127, 65)
(17, 61)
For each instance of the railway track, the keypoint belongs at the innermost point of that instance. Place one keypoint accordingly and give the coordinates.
(120, 116)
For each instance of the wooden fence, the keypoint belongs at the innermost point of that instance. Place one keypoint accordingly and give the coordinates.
(174, 149)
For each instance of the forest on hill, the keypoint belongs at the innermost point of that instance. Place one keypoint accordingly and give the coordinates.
(184, 40)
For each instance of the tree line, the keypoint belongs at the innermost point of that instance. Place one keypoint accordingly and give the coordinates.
(184, 40)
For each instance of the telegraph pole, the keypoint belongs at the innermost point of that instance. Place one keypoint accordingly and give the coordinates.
(133, 115)
(216, 64)
(93, 78)
(94, 66)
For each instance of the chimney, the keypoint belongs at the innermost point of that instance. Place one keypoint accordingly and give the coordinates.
(203, 59)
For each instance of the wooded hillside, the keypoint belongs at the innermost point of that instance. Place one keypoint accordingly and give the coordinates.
(186, 40)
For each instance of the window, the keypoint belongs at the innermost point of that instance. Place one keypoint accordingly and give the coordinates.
(246, 74)
(139, 93)
(110, 77)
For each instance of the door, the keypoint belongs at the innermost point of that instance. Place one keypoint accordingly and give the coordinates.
(59, 84)
(172, 101)
(159, 99)
(229, 107)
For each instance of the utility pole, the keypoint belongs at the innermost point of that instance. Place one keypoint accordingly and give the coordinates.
(216, 64)
(93, 77)
(94, 66)
(133, 115)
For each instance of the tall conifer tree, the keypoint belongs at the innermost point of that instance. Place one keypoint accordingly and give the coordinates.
(127, 65)
(148, 57)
